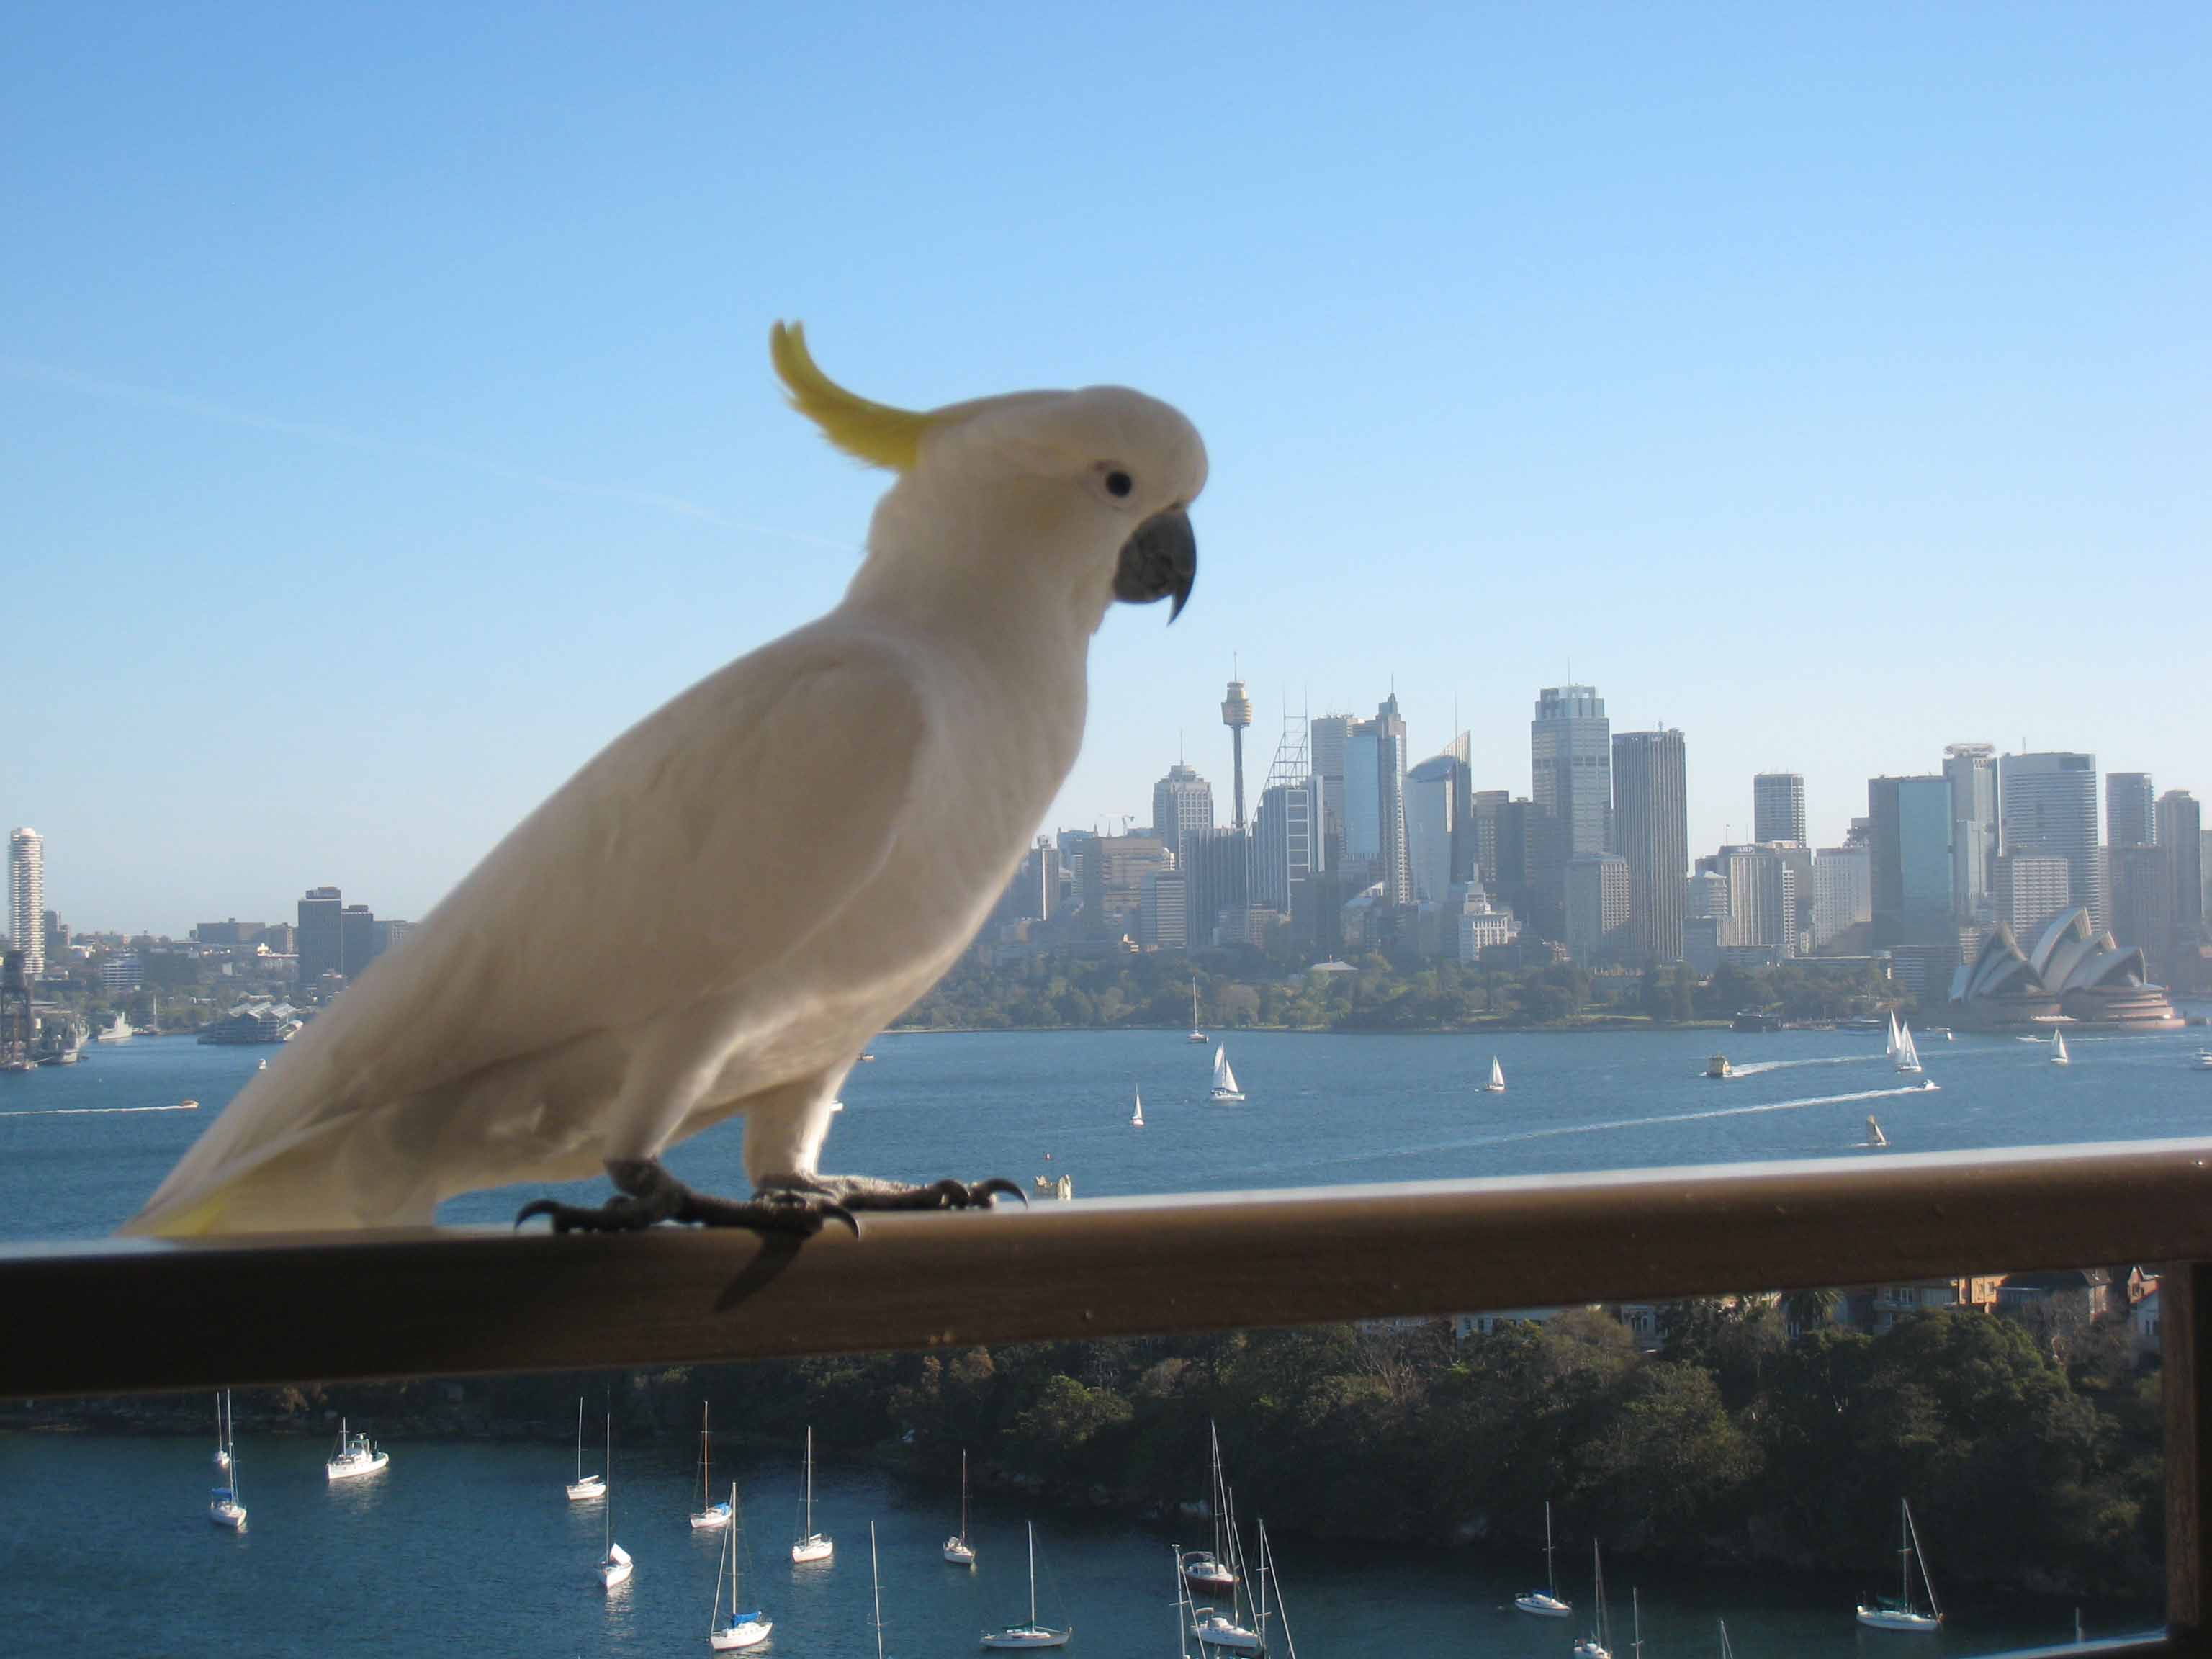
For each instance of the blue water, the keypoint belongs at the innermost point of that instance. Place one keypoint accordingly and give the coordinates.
(473, 1549)
(80, 1150)
(469, 1548)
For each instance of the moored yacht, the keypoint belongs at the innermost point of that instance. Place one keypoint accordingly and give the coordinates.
(357, 1456)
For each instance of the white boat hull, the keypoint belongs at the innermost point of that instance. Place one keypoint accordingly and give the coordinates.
(612, 1573)
(959, 1551)
(1589, 1650)
(1225, 1634)
(1225, 1097)
(232, 1515)
(1886, 1618)
(1543, 1606)
(584, 1491)
(354, 1468)
(747, 1633)
(816, 1548)
(712, 1520)
(1028, 1636)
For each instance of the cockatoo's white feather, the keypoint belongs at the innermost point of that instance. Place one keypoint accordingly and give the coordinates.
(716, 913)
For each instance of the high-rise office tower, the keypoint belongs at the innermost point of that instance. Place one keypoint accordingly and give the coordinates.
(1332, 734)
(321, 950)
(26, 900)
(1430, 827)
(1375, 800)
(1182, 808)
(1220, 872)
(1237, 714)
(1762, 897)
(1910, 850)
(2049, 802)
(356, 939)
(2181, 838)
(2130, 817)
(2034, 891)
(1571, 761)
(1777, 805)
(1651, 825)
(1286, 844)
(1842, 892)
(2142, 880)
(1597, 906)
(1971, 769)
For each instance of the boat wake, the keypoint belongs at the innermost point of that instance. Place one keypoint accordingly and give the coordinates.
(1757, 1067)
(95, 1111)
(1606, 1127)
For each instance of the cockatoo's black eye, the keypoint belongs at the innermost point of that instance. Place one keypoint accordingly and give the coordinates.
(1119, 484)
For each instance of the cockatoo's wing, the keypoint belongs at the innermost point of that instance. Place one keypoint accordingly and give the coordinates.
(692, 854)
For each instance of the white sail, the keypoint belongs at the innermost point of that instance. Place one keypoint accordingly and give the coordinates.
(1874, 1136)
(1496, 1084)
(1908, 1053)
(1224, 1080)
(1137, 1117)
(1890, 1052)
(2058, 1049)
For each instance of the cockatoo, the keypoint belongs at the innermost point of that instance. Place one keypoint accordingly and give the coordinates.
(715, 915)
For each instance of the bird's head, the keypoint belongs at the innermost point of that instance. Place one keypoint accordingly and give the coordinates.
(1101, 479)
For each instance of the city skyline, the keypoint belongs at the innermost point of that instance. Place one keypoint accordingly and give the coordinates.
(377, 449)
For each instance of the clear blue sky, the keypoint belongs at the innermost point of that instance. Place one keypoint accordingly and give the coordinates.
(385, 419)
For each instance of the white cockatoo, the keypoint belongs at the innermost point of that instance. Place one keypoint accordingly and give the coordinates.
(715, 915)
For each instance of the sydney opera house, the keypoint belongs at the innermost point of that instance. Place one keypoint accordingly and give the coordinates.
(2074, 973)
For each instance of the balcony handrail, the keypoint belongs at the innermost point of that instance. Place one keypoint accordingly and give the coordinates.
(122, 1315)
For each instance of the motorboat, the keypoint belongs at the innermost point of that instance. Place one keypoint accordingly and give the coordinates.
(1718, 1067)
(357, 1456)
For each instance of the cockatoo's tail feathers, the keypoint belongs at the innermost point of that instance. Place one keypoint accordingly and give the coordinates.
(874, 433)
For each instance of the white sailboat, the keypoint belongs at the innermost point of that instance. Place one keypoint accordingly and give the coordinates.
(811, 1545)
(225, 1507)
(1496, 1084)
(1196, 1035)
(709, 1515)
(1268, 1574)
(1598, 1644)
(2058, 1049)
(1907, 1058)
(583, 1487)
(1890, 1051)
(1727, 1652)
(357, 1456)
(1636, 1623)
(1207, 1571)
(876, 1588)
(957, 1550)
(1031, 1634)
(1898, 1613)
(1224, 1080)
(615, 1563)
(1225, 1632)
(1137, 1117)
(221, 1436)
(1874, 1136)
(740, 1630)
(1545, 1603)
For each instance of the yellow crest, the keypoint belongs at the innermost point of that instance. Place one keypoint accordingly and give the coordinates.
(874, 433)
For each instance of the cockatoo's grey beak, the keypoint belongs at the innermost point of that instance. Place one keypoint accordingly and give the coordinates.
(1160, 559)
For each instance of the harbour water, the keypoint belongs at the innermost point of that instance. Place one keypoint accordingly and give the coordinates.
(464, 1547)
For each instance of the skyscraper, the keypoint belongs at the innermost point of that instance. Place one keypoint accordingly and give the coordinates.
(1182, 807)
(1971, 770)
(2130, 819)
(1842, 892)
(1332, 733)
(26, 900)
(1777, 805)
(1287, 847)
(356, 939)
(2181, 839)
(1762, 897)
(2050, 807)
(2142, 880)
(1237, 714)
(1429, 827)
(2034, 891)
(1597, 906)
(1651, 824)
(1375, 800)
(1571, 761)
(1909, 852)
(321, 950)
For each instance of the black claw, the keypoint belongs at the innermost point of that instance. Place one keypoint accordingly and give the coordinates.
(838, 1212)
(537, 1206)
(982, 1191)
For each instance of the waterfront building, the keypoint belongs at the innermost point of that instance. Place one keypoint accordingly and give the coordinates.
(2181, 838)
(1910, 850)
(1183, 809)
(2131, 815)
(2072, 968)
(1971, 769)
(255, 1020)
(1842, 892)
(1706, 895)
(1237, 714)
(1762, 898)
(1429, 788)
(320, 950)
(2049, 805)
(1651, 827)
(1597, 906)
(1702, 939)
(2034, 891)
(1164, 919)
(1778, 806)
(2142, 880)
(26, 900)
(357, 941)
(120, 975)
(1477, 926)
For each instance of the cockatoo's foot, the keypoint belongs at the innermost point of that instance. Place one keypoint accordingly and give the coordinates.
(869, 1192)
(646, 1194)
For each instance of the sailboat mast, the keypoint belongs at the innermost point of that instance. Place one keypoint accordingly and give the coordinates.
(1635, 1612)
(607, 1508)
(809, 1483)
(963, 1494)
(580, 1439)
(1904, 1551)
(1032, 1574)
(1551, 1573)
(1913, 1532)
(706, 1491)
(876, 1579)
